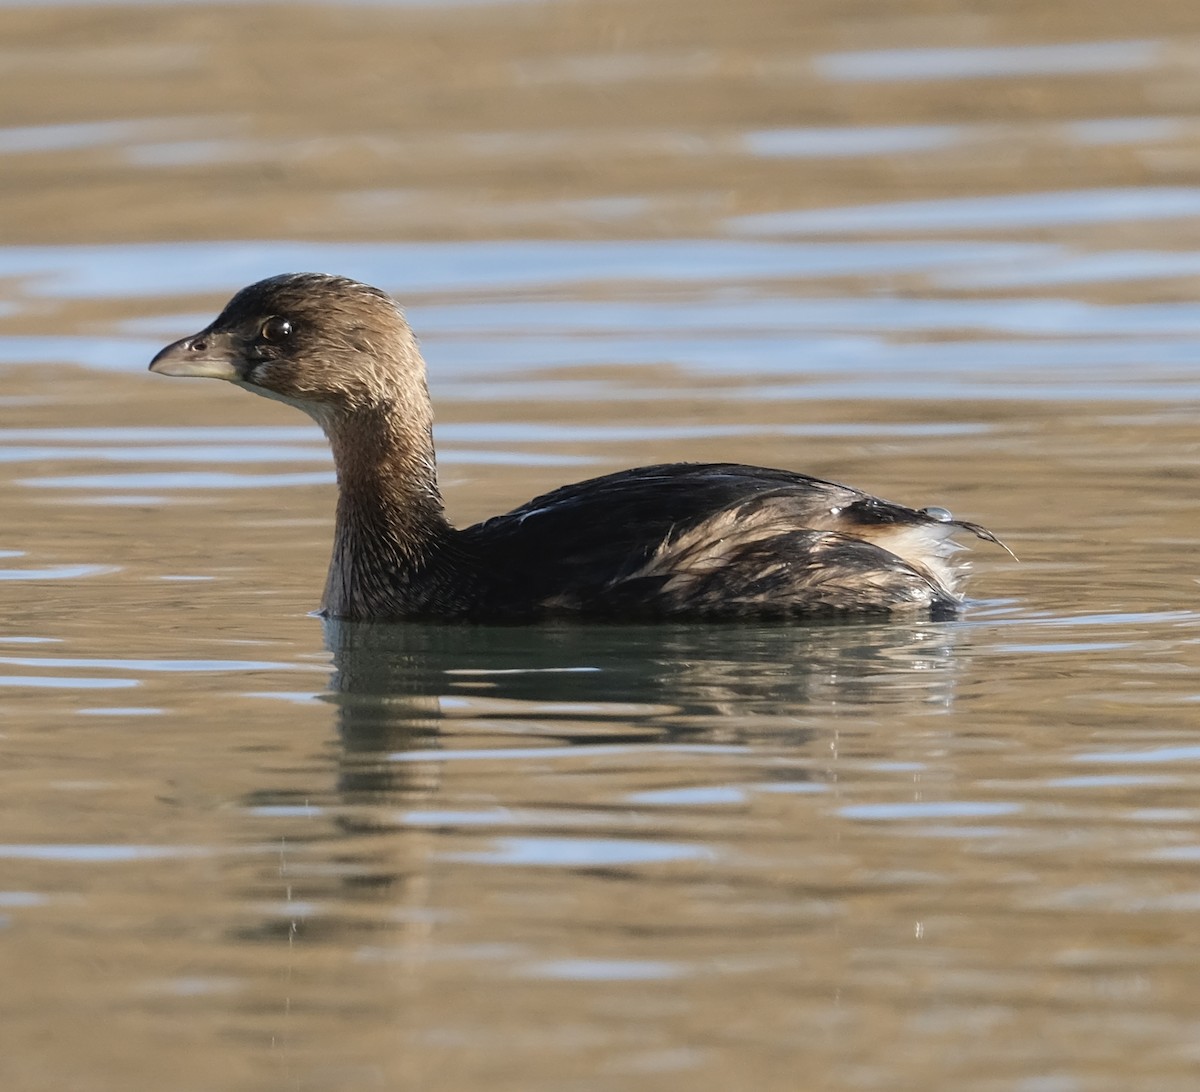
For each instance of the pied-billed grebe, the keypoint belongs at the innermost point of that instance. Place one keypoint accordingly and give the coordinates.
(676, 541)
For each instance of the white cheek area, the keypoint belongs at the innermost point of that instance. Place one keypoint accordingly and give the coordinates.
(318, 411)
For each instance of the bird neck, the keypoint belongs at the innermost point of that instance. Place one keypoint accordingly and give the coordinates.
(390, 518)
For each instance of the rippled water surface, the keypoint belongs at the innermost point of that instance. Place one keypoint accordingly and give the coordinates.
(948, 254)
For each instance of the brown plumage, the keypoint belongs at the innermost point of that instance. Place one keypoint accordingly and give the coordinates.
(680, 540)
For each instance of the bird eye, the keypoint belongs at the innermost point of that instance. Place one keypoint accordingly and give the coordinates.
(275, 329)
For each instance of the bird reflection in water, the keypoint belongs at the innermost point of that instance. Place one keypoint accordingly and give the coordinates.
(453, 738)
(401, 688)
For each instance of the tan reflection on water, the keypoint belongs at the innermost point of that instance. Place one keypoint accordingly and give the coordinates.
(239, 853)
(183, 121)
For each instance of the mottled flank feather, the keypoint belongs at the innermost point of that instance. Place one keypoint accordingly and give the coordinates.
(676, 541)
(728, 541)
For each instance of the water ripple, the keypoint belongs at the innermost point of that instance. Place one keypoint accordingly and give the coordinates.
(100, 853)
(66, 682)
(172, 666)
(57, 572)
(947, 809)
(522, 754)
(980, 62)
(581, 853)
(1002, 212)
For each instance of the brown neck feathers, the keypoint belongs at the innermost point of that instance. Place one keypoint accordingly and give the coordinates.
(390, 519)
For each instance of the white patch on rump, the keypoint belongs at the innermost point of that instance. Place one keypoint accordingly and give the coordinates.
(926, 547)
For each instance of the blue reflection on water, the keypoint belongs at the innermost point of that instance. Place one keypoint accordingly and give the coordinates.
(978, 62)
(732, 320)
(1009, 211)
(582, 852)
(160, 269)
(832, 143)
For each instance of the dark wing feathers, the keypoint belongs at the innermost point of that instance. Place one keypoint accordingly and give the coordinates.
(704, 539)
